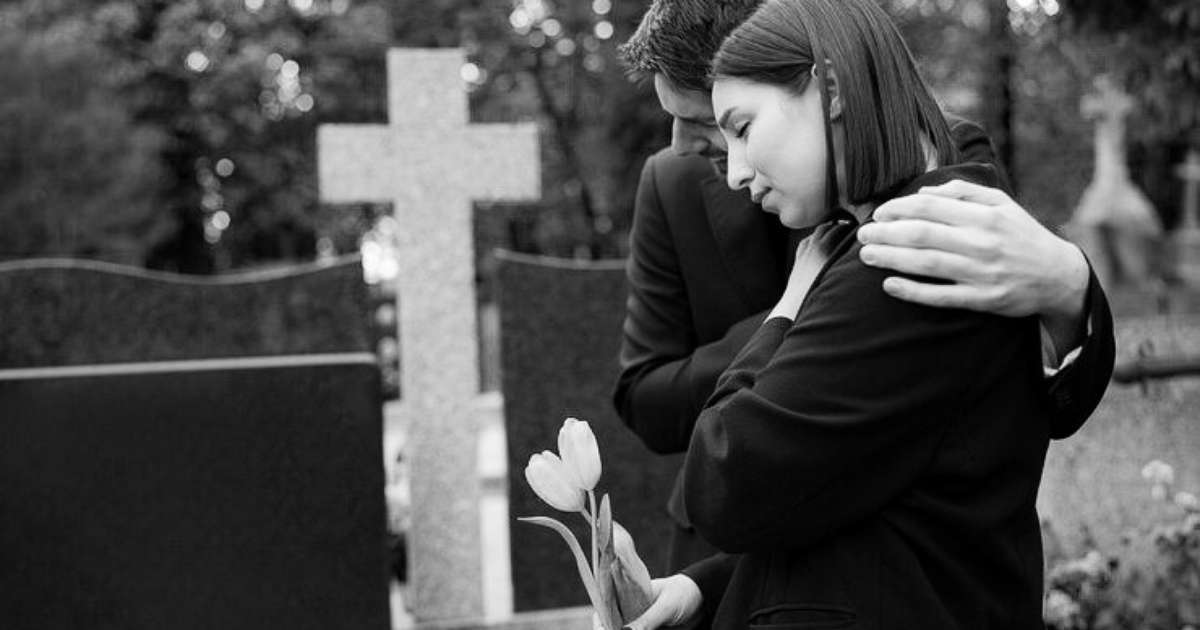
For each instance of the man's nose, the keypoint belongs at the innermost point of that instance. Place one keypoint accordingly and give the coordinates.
(685, 141)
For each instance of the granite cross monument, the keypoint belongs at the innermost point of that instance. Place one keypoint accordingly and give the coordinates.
(431, 163)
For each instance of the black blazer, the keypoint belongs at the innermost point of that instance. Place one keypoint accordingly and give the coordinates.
(876, 463)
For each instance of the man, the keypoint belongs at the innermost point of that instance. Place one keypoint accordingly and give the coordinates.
(706, 264)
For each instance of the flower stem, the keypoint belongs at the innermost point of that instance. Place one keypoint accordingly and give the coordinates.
(595, 547)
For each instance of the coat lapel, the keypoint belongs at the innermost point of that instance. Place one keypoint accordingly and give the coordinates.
(749, 241)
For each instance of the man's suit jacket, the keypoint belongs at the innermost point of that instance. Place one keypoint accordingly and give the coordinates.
(876, 462)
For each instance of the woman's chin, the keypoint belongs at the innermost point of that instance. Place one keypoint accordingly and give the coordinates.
(799, 222)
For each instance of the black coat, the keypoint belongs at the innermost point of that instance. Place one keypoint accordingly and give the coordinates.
(705, 267)
(876, 462)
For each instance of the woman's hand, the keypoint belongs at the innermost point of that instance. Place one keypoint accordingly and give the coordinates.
(810, 258)
(676, 604)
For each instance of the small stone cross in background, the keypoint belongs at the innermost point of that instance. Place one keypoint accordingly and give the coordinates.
(1114, 221)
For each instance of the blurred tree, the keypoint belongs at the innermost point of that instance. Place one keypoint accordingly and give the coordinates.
(557, 63)
(203, 115)
(1153, 46)
(966, 52)
(77, 174)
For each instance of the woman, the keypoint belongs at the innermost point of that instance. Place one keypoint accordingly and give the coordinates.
(873, 463)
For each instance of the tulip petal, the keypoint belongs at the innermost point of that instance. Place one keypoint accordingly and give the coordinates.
(546, 476)
(580, 453)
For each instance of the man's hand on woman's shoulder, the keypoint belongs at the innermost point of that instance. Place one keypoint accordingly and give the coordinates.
(997, 257)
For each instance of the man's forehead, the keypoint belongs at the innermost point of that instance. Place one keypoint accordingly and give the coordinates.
(688, 104)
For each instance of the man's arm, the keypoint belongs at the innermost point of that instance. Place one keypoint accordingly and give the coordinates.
(1077, 388)
(665, 374)
(999, 259)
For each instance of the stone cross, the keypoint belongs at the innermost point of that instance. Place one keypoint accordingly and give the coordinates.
(1109, 106)
(431, 163)
(1115, 221)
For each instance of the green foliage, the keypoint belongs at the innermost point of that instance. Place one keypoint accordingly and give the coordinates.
(77, 174)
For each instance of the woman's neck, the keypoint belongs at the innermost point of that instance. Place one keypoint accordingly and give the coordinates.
(863, 211)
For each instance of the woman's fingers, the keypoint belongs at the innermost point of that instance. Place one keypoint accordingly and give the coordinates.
(676, 602)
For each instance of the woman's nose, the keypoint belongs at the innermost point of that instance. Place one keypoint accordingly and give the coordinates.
(739, 174)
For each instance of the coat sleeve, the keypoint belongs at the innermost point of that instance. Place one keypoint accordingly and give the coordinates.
(665, 374)
(1076, 390)
(823, 422)
(712, 576)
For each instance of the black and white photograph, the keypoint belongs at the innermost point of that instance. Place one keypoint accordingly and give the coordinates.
(600, 314)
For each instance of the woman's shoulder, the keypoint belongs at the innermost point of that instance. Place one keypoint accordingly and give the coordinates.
(974, 172)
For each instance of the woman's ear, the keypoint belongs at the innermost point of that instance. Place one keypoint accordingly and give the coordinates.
(835, 95)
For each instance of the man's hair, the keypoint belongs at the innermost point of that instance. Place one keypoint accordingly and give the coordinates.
(678, 39)
(886, 107)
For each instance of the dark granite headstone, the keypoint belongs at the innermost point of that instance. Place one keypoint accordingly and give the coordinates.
(148, 481)
(70, 312)
(560, 325)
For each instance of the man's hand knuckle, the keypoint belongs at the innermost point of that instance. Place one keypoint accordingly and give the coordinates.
(989, 275)
(927, 265)
(1000, 298)
(919, 233)
(990, 247)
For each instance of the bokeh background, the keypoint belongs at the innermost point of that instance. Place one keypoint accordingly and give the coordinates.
(180, 135)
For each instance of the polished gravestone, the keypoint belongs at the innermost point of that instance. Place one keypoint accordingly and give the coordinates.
(560, 333)
(180, 453)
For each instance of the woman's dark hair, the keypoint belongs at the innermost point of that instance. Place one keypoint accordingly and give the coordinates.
(886, 108)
